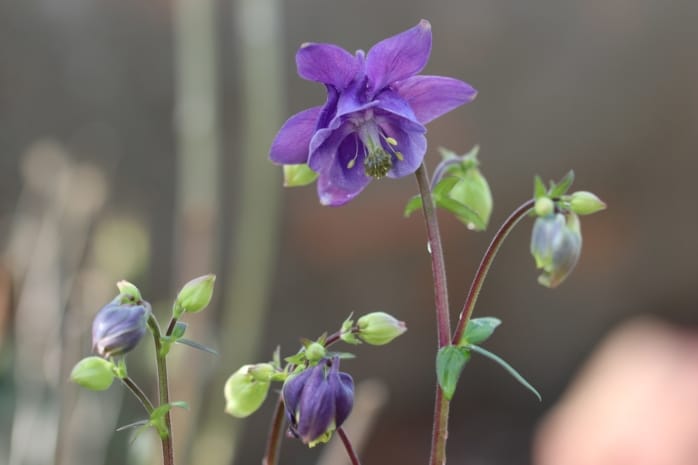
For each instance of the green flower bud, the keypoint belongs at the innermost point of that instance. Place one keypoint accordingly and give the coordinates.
(585, 203)
(298, 175)
(128, 292)
(315, 352)
(473, 191)
(246, 389)
(195, 295)
(94, 373)
(379, 328)
(544, 206)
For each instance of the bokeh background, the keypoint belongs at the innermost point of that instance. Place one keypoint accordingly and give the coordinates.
(133, 145)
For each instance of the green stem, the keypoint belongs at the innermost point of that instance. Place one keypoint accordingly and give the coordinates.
(443, 323)
(347, 445)
(271, 456)
(163, 390)
(138, 392)
(484, 267)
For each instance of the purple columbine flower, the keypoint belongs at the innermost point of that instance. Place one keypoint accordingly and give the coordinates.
(317, 401)
(372, 124)
(117, 328)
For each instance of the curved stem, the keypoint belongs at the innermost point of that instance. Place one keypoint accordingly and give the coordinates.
(443, 323)
(484, 267)
(347, 445)
(163, 390)
(271, 455)
(138, 392)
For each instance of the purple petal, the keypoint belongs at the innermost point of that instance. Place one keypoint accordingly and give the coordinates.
(324, 145)
(344, 176)
(343, 388)
(432, 96)
(394, 103)
(326, 63)
(292, 142)
(411, 143)
(399, 57)
(291, 392)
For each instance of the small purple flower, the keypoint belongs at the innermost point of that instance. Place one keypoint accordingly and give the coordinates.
(317, 401)
(372, 124)
(117, 328)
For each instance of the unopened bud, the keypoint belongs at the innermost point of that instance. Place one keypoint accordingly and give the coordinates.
(94, 373)
(556, 243)
(195, 295)
(246, 390)
(315, 352)
(379, 328)
(473, 191)
(544, 206)
(586, 203)
(117, 328)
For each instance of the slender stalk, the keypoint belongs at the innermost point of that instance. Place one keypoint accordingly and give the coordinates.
(171, 327)
(163, 391)
(443, 324)
(347, 445)
(138, 392)
(271, 455)
(484, 267)
(438, 267)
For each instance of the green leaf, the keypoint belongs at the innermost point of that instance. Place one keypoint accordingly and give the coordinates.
(414, 204)
(341, 355)
(296, 359)
(157, 416)
(443, 187)
(506, 366)
(196, 345)
(539, 189)
(450, 362)
(556, 190)
(479, 330)
(135, 424)
(464, 214)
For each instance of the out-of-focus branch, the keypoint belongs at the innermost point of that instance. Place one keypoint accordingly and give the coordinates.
(254, 243)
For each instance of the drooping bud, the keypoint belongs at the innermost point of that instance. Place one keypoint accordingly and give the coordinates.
(586, 203)
(298, 175)
(128, 292)
(379, 328)
(556, 244)
(194, 295)
(317, 401)
(117, 328)
(94, 373)
(246, 389)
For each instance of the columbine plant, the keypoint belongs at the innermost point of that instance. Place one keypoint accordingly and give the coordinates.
(118, 328)
(372, 126)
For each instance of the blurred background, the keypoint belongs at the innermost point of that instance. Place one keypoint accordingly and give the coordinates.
(133, 145)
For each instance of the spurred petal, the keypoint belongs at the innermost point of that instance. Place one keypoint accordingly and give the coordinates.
(432, 96)
(411, 143)
(399, 57)
(344, 176)
(292, 142)
(324, 145)
(326, 63)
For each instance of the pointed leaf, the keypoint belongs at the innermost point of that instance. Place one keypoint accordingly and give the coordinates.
(135, 424)
(444, 186)
(562, 187)
(276, 357)
(539, 189)
(341, 355)
(414, 204)
(506, 366)
(450, 362)
(196, 345)
(479, 330)
(464, 213)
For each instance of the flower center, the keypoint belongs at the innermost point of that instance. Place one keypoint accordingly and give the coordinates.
(377, 159)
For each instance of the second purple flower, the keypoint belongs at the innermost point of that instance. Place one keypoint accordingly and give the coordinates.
(372, 124)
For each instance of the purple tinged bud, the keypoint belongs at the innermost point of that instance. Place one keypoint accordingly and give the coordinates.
(556, 243)
(118, 328)
(318, 401)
